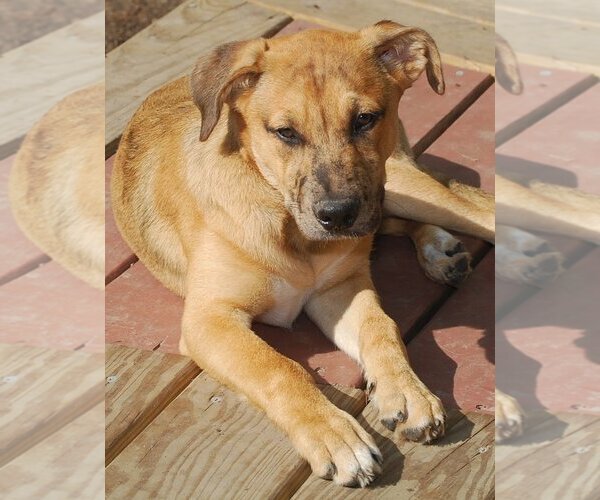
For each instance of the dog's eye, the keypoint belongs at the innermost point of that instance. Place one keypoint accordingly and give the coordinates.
(288, 135)
(364, 122)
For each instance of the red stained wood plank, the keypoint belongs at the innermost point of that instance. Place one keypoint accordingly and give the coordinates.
(466, 150)
(566, 139)
(454, 353)
(17, 253)
(548, 347)
(543, 90)
(117, 253)
(48, 307)
(142, 313)
(421, 109)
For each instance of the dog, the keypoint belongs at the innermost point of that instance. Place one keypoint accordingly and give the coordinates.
(56, 184)
(254, 187)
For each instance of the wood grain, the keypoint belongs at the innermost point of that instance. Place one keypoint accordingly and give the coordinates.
(47, 389)
(564, 467)
(37, 75)
(139, 385)
(208, 443)
(67, 464)
(168, 49)
(475, 10)
(461, 41)
(462, 459)
(552, 39)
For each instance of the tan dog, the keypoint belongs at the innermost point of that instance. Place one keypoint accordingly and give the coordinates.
(254, 189)
(57, 184)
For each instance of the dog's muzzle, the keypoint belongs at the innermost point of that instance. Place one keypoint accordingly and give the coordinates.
(337, 215)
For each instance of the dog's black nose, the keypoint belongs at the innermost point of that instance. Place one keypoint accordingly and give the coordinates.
(334, 215)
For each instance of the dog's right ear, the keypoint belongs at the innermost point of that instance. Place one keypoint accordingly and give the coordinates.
(406, 52)
(222, 75)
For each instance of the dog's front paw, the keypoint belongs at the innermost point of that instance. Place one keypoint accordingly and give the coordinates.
(405, 402)
(509, 417)
(338, 448)
(445, 259)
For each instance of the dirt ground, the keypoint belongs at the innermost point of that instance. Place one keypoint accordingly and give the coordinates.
(124, 18)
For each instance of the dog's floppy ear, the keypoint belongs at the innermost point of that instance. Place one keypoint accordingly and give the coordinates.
(222, 75)
(507, 67)
(405, 52)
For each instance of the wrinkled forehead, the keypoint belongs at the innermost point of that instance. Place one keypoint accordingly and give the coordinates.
(319, 68)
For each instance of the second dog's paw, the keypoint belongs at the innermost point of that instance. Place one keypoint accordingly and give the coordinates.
(338, 448)
(404, 402)
(509, 417)
(445, 259)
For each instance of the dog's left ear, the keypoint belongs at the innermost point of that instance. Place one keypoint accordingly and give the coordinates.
(405, 52)
(222, 75)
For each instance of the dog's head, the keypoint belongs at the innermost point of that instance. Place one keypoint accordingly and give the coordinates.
(317, 113)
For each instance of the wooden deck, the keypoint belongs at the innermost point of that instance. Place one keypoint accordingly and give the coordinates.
(174, 431)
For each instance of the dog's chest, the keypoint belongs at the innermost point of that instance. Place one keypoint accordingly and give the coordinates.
(288, 301)
(289, 298)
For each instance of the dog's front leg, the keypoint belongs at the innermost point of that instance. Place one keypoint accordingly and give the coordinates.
(349, 313)
(216, 334)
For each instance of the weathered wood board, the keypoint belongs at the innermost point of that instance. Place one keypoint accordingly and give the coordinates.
(37, 75)
(139, 385)
(47, 389)
(208, 443)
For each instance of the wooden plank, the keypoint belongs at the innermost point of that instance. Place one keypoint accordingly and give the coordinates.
(26, 21)
(454, 353)
(37, 75)
(541, 430)
(168, 49)
(475, 10)
(567, 467)
(553, 39)
(48, 307)
(544, 90)
(139, 385)
(47, 389)
(209, 444)
(460, 462)
(584, 12)
(465, 151)
(18, 255)
(566, 139)
(546, 347)
(461, 41)
(67, 464)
